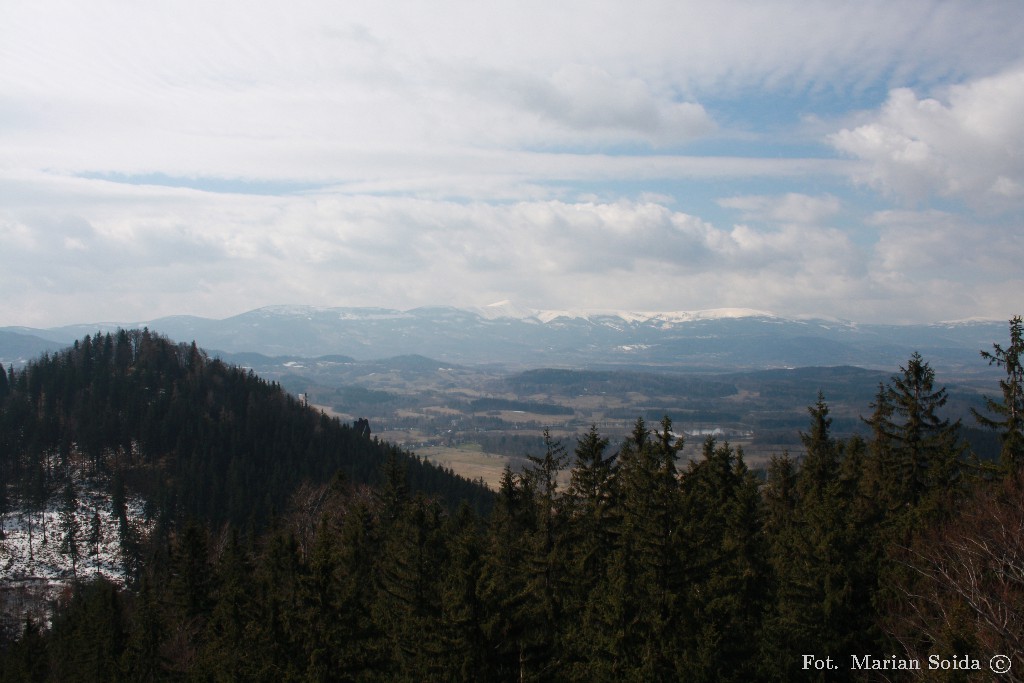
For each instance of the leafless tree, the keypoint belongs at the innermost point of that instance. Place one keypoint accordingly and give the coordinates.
(965, 584)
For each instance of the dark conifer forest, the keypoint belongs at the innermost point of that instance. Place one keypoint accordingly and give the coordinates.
(282, 545)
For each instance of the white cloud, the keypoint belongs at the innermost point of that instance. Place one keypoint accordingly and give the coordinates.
(217, 254)
(311, 89)
(90, 249)
(586, 104)
(792, 207)
(914, 244)
(968, 145)
(927, 263)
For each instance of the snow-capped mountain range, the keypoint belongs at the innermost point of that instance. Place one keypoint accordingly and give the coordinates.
(504, 333)
(508, 310)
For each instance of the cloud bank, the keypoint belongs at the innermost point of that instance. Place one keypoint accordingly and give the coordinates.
(853, 160)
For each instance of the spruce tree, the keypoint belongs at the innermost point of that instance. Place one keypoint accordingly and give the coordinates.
(504, 579)
(226, 637)
(321, 623)
(89, 637)
(279, 648)
(191, 587)
(4, 506)
(408, 605)
(462, 606)
(1009, 413)
(726, 567)
(361, 653)
(880, 481)
(546, 562)
(927, 448)
(69, 526)
(95, 536)
(820, 467)
(780, 502)
(143, 657)
(914, 453)
(27, 658)
(822, 594)
(590, 506)
(780, 496)
(637, 618)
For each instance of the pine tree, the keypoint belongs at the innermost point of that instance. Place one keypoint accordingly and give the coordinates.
(589, 503)
(393, 496)
(541, 477)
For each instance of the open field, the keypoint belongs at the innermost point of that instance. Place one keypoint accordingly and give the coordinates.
(477, 420)
(469, 461)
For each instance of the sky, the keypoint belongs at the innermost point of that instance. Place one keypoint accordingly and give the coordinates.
(855, 160)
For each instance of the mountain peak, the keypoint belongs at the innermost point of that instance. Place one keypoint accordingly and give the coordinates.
(505, 309)
(509, 310)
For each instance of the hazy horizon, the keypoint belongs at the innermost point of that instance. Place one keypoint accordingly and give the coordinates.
(544, 315)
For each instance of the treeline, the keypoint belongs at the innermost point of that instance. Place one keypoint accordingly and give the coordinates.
(193, 436)
(899, 543)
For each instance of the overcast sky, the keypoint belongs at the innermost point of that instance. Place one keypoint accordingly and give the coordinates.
(858, 160)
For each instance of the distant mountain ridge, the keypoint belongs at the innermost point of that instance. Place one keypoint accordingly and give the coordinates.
(506, 309)
(504, 333)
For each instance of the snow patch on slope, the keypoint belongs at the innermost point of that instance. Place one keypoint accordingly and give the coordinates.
(34, 574)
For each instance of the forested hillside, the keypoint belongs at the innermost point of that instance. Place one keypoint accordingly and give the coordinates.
(193, 436)
(640, 569)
